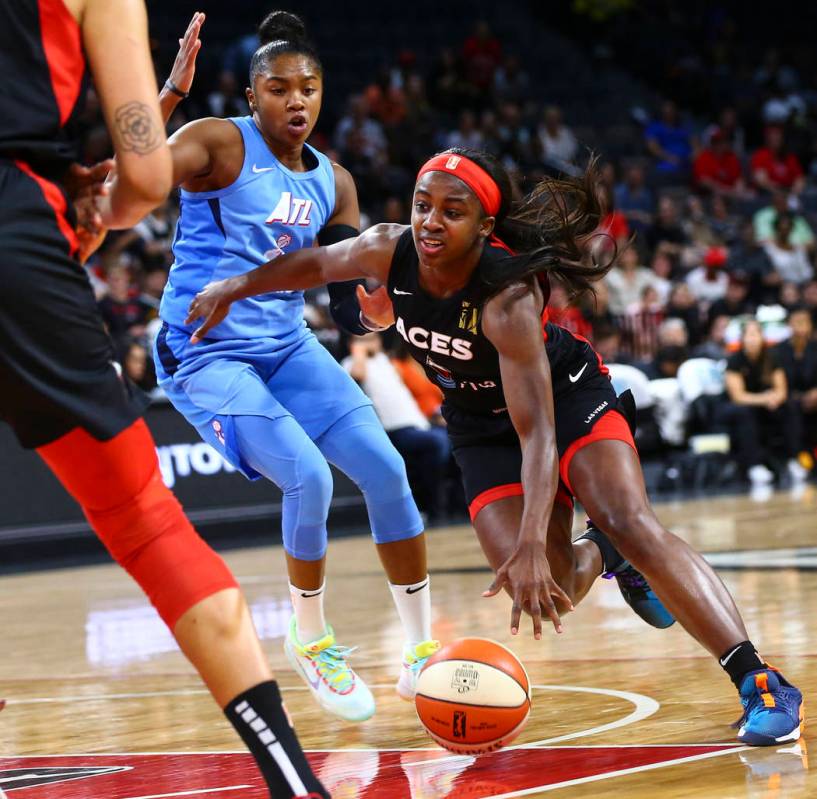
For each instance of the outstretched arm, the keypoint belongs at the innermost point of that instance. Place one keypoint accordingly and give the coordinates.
(368, 255)
(512, 321)
(353, 309)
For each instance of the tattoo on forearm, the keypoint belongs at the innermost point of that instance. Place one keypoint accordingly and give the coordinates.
(137, 130)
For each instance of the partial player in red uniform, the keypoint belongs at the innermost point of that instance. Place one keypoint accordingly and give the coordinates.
(60, 389)
(469, 283)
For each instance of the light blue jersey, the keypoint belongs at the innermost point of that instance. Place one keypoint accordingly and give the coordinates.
(260, 388)
(268, 210)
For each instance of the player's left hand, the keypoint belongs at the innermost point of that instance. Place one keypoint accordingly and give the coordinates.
(526, 575)
(376, 306)
(184, 67)
(212, 304)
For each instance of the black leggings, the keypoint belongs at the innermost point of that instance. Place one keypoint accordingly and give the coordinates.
(756, 433)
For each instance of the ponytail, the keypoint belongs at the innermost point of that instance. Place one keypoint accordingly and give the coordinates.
(550, 231)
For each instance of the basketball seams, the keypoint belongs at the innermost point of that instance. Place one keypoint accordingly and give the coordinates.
(468, 704)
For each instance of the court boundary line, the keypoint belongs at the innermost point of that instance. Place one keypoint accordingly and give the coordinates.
(645, 707)
(619, 773)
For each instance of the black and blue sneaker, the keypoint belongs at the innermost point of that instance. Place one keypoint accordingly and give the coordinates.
(772, 709)
(633, 585)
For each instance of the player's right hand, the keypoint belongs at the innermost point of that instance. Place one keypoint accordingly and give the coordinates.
(526, 575)
(212, 304)
(184, 67)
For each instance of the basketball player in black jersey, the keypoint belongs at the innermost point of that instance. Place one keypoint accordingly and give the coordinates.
(527, 403)
(60, 389)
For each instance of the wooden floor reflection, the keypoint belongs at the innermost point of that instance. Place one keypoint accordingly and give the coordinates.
(620, 709)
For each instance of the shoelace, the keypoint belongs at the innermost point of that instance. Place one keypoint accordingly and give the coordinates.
(332, 665)
(418, 661)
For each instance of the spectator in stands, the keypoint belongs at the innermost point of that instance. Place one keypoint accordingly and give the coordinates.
(613, 223)
(661, 268)
(670, 142)
(728, 126)
(666, 232)
(724, 224)
(782, 203)
(672, 351)
(226, 100)
(515, 139)
(448, 89)
(426, 453)
(607, 343)
(682, 305)
(736, 301)
(467, 133)
(137, 366)
(627, 280)
(394, 211)
(758, 411)
(481, 56)
(748, 257)
(798, 358)
(790, 261)
(709, 281)
(634, 199)
(562, 312)
(511, 82)
(596, 306)
(714, 345)
(557, 144)
(428, 396)
(123, 312)
(774, 167)
(717, 169)
(370, 136)
(810, 300)
(789, 296)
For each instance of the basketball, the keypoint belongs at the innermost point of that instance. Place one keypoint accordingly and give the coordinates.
(473, 696)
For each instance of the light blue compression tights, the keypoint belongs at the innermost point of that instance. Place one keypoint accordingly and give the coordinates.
(280, 450)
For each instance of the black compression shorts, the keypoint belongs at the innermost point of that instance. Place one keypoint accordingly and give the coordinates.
(57, 363)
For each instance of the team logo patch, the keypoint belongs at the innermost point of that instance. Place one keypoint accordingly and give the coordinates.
(444, 376)
(469, 318)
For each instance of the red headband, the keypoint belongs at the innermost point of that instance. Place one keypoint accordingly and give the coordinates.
(471, 174)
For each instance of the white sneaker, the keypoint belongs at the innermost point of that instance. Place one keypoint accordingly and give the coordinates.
(760, 475)
(323, 666)
(414, 658)
(797, 471)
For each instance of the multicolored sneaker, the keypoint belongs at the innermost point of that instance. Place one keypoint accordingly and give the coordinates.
(633, 585)
(772, 709)
(323, 666)
(639, 596)
(414, 658)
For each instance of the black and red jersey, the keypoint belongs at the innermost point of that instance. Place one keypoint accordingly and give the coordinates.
(445, 336)
(42, 85)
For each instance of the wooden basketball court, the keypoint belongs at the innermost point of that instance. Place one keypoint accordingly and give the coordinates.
(102, 706)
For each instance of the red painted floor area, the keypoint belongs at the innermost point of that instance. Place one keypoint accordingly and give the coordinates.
(350, 774)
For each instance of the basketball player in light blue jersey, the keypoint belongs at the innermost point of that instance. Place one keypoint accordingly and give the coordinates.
(262, 390)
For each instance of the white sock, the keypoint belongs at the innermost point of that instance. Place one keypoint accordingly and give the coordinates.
(413, 603)
(308, 606)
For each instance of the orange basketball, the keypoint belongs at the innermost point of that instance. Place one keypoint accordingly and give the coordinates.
(473, 696)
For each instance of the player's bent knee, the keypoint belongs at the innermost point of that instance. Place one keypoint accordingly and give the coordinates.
(152, 539)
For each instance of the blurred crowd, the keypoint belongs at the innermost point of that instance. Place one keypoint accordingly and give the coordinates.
(713, 217)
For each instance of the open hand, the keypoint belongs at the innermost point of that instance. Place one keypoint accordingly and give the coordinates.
(184, 67)
(376, 306)
(526, 575)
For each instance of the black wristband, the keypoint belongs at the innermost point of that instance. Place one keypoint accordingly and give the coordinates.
(172, 87)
